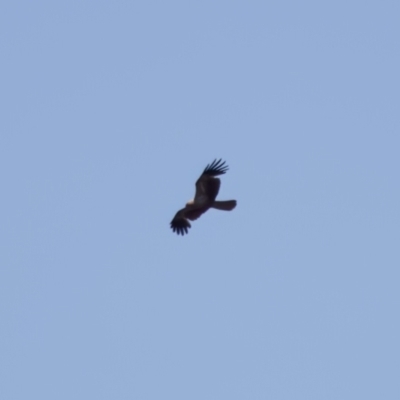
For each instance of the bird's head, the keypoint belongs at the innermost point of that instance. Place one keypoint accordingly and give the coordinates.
(190, 202)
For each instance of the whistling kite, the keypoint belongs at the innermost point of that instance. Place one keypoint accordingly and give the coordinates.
(207, 188)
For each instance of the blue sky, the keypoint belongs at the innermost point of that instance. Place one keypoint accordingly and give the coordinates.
(110, 111)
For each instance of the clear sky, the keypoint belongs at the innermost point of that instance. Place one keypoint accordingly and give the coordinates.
(109, 113)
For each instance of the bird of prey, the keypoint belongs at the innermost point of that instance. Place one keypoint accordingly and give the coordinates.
(207, 188)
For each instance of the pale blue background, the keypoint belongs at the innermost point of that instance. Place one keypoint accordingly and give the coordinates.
(110, 111)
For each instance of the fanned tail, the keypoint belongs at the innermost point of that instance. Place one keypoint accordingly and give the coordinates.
(226, 205)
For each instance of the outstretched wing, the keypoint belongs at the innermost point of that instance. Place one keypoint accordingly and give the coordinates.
(207, 186)
(179, 223)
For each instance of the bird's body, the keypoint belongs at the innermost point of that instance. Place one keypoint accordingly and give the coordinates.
(207, 188)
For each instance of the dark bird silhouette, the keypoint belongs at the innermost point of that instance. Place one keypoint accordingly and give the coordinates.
(207, 188)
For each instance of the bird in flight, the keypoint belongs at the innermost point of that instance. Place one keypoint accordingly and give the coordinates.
(207, 188)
